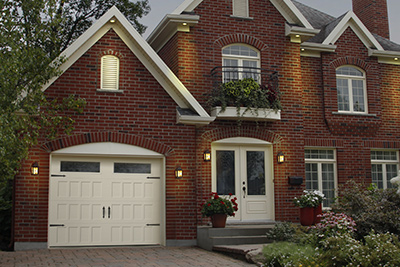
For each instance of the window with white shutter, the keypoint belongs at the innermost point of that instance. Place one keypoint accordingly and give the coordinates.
(240, 8)
(109, 72)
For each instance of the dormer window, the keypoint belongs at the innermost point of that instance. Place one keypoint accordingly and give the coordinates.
(240, 8)
(109, 72)
(240, 61)
(351, 90)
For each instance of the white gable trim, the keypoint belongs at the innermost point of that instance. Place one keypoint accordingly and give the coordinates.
(352, 21)
(142, 50)
(288, 10)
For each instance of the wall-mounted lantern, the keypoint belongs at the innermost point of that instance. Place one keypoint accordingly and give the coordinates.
(281, 157)
(178, 172)
(207, 155)
(35, 168)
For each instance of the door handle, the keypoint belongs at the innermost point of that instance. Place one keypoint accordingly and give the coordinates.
(244, 192)
(104, 212)
(109, 212)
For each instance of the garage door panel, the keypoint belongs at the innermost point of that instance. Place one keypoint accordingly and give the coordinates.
(105, 208)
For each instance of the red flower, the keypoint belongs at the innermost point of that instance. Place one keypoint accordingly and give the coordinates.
(230, 194)
(235, 208)
(216, 196)
(233, 214)
(209, 204)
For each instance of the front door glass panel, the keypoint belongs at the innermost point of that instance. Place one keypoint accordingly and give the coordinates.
(225, 172)
(255, 172)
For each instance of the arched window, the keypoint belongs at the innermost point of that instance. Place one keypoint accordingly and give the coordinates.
(351, 90)
(240, 61)
(109, 72)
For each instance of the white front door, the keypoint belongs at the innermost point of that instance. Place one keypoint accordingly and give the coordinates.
(104, 201)
(245, 170)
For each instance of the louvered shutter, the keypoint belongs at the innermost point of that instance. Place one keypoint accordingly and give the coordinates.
(109, 72)
(240, 8)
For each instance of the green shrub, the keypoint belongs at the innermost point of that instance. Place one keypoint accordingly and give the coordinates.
(282, 232)
(371, 209)
(288, 254)
(378, 250)
(337, 250)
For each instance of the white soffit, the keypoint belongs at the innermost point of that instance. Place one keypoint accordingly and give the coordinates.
(352, 21)
(142, 51)
(107, 149)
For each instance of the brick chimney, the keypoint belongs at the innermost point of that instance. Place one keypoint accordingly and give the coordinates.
(374, 15)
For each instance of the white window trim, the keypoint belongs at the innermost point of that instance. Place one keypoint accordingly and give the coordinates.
(384, 163)
(241, 58)
(320, 162)
(351, 100)
(106, 71)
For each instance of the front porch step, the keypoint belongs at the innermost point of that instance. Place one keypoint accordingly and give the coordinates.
(208, 237)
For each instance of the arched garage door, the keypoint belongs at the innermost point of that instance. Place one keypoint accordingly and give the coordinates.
(100, 199)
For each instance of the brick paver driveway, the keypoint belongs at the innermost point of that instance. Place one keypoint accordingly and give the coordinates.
(115, 257)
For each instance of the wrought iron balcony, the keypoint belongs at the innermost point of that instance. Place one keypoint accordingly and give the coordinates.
(245, 93)
(266, 78)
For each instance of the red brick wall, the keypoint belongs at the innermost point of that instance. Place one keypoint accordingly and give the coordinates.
(143, 115)
(374, 15)
(309, 100)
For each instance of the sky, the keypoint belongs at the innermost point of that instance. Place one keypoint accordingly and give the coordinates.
(159, 8)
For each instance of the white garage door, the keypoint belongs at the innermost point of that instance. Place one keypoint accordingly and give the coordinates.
(95, 201)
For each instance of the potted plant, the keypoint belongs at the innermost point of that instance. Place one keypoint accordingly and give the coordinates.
(310, 204)
(219, 208)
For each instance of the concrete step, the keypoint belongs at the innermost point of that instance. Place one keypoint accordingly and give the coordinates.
(208, 237)
(250, 253)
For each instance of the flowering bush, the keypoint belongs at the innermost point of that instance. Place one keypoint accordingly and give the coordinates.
(312, 199)
(219, 205)
(334, 224)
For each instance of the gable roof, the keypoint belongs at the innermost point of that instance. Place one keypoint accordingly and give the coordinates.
(142, 50)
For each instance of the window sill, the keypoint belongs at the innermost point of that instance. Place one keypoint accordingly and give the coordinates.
(239, 17)
(353, 114)
(110, 91)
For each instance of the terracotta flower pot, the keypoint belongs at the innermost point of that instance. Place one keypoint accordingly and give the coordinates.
(306, 216)
(218, 220)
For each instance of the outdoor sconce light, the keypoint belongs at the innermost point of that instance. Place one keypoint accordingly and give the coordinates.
(281, 157)
(35, 168)
(178, 172)
(207, 155)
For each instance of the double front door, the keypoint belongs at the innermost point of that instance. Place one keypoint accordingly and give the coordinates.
(245, 171)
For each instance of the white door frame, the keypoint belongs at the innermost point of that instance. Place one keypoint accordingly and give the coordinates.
(242, 144)
(110, 150)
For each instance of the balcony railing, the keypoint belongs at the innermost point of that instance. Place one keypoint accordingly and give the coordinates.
(245, 92)
(266, 78)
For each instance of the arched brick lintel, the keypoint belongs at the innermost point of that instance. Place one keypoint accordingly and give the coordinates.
(350, 61)
(98, 137)
(250, 132)
(240, 38)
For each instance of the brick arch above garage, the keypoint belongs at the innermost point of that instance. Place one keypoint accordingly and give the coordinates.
(115, 137)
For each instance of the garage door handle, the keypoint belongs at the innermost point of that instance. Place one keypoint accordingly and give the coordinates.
(57, 225)
(104, 212)
(109, 212)
(154, 178)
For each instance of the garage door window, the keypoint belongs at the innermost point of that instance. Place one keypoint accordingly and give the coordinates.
(79, 166)
(132, 168)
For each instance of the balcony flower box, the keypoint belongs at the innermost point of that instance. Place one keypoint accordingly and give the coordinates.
(257, 114)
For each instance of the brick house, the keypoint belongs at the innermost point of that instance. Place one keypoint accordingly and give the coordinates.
(113, 182)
